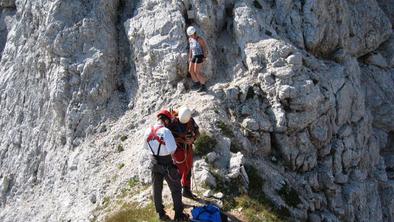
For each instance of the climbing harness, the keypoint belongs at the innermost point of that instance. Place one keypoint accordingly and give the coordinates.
(153, 136)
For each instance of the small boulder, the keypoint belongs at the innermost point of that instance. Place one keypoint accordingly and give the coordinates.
(250, 124)
(218, 195)
(6, 184)
(202, 174)
(93, 198)
(295, 60)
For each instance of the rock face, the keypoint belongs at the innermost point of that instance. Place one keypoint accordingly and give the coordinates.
(300, 90)
(388, 8)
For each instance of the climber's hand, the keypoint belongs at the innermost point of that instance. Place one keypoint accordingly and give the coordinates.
(189, 140)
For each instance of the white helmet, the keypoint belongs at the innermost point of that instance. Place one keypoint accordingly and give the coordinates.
(184, 114)
(190, 30)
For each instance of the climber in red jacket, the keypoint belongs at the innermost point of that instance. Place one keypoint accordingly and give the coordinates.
(185, 131)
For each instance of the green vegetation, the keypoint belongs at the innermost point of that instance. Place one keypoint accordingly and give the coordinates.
(105, 202)
(226, 130)
(133, 182)
(119, 210)
(204, 144)
(289, 195)
(235, 146)
(120, 148)
(120, 166)
(134, 213)
(255, 210)
(255, 187)
(123, 138)
(254, 204)
(255, 181)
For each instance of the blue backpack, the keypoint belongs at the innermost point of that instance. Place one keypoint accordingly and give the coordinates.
(208, 213)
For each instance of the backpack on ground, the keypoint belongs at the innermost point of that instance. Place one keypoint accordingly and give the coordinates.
(208, 213)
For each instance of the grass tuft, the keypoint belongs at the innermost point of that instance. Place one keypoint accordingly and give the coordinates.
(256, 211)
(105, 202)
(120, 148)
(132, 182)
(235, 147)
(123, 138)
(121, 165)
(134, 213)
(204, 144)
(289, 195)
(255, 206)
(226, 130)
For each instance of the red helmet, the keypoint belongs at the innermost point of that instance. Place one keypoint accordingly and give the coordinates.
(165, 113)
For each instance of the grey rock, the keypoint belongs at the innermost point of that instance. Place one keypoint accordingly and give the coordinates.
(387, 51)
(358, 175)
(378, 85)
(363, 197)
(287, 92)
(344, 98)
(93, 198)
(325, 150)
(313, 217)
(329, 217)
(250, 124)
(298, 151)
(386, 190)
(388, 7)
(280, 118)
(300, 120)
(264, 123)
(237, 171)
(232, 94)
(322, 35)
(320, 131)
(219, 195)
(341, 178)
(326, 177)
(345, 131)
(295, 60)
(202, 174)
(376, 59)
(7, 3)
(5, 184)
(211, 157)
(236, 163)
(389, 162)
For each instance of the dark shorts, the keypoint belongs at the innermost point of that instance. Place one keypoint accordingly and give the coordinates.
(197, 59)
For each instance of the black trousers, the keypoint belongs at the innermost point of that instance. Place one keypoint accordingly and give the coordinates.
(168, 172)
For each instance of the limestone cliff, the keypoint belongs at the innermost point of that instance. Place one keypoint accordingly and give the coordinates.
(301, 90)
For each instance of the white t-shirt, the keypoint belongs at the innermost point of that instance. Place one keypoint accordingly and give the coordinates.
(166, 136)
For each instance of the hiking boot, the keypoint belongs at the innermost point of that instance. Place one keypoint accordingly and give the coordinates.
(203, 88)
(196, 85)
(164, 217)
(188, 193)
(181, 217)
